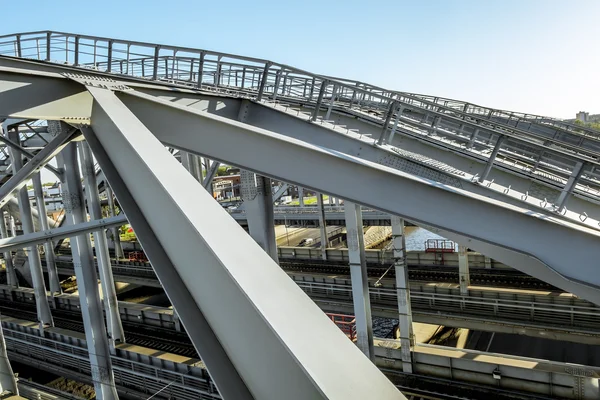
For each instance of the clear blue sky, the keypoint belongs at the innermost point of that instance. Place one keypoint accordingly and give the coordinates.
(537, 56)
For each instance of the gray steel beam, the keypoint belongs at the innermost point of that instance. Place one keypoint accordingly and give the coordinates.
(360, 281)
(464, 277)
(18, 242)
(53, 279)
(21, 175)
(282, 189)
(258, 203)
(27, 153)
(283, 359)
(210, 175)
(492, 158)
(116, 236)
(87, 279)
(405, 321)
(33, 256)
(11, 276)
(569, 186)
(8, 381)
(322, 226)
(536, 247)
(111, 308)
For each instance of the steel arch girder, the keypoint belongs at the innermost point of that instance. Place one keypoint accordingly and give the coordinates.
(543, 246)
(294, 350)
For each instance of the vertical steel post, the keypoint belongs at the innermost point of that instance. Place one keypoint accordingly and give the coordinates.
(111, 306)
(19, 52)
(472, 138)
(358, 274)
(396, 122)
(263, 81)
(35, 264)
(319, 100)
(109, 56)
(386, 123)
(11, 275)
(87, 280)
(490, 163)
(155, 65)
(8, 382)
(115, 231)
(463, 270)
(570, 186)
(258, 202)
(322, 226)
(277, 81)
(405, 322)
(76, 60)
(200, 70)
(301, 196)
(48, 48)
(53, 279)
(333, 95)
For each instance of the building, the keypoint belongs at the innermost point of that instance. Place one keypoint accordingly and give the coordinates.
(582, 116)
(226, 187)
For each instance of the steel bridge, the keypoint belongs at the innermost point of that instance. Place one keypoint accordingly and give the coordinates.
(520, 188)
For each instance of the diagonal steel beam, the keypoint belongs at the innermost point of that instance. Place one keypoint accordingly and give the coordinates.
(19, 179)
(538, 238)
(30, 155)
(210, 175)
(18, 242)
(280, 359)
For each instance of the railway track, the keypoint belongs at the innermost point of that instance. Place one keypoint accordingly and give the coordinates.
(479, 276)
(151, 337)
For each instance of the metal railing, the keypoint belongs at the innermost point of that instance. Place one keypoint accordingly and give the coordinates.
(454, 124)
(577, 315)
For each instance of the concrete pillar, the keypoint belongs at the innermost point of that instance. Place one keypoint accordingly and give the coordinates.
(360, 283)
(53, 278)
(405, 323)
(111, 306)
(322, 226)
(301, 196)
(8, 381)
(33, 256)
(11, 275)
(258, 202)
(115, 231)
(87, 280)
(463, 270)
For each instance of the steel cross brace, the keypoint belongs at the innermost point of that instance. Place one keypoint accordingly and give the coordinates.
(214, 289)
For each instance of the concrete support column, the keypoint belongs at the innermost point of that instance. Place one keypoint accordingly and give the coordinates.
(463, 270)
(405, 323)
(258, 202)
(111, 306)
(7, 377)
(115, 231)
(301, 196)
(53, 279)
(360, 283)
(322, 226)
(87, 280)
(33, 256)
(11, 275)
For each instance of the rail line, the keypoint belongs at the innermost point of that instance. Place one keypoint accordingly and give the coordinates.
(160, 339)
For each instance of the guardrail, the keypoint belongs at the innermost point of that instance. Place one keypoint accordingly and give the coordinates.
(264, 80)
(136, 373)
(527, 307)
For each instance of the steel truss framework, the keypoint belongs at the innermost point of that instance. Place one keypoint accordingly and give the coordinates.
(127, 125)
